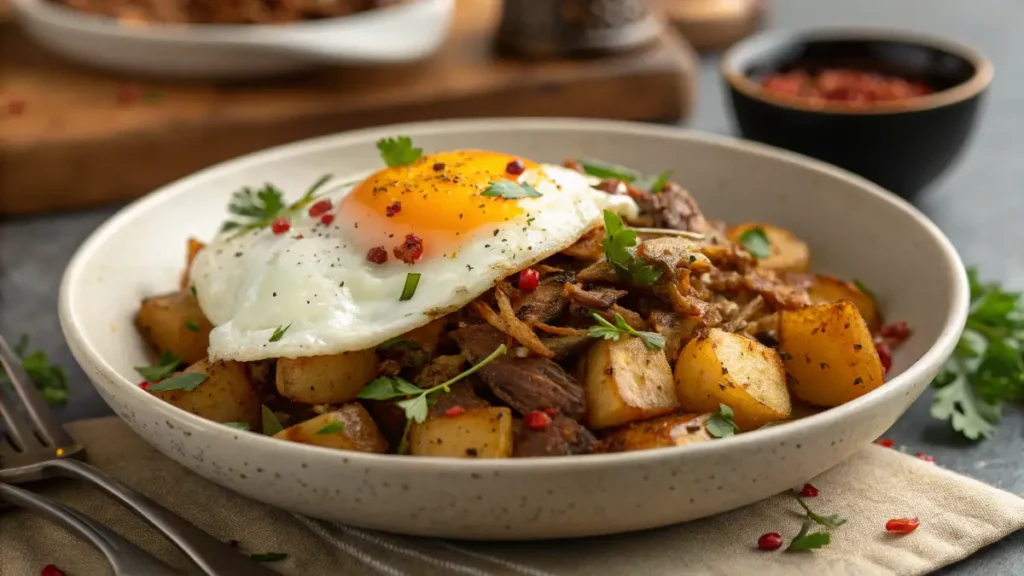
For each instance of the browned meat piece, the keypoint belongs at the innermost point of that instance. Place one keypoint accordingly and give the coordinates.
(599, 298)
(672, 253)
(597, 272)
(564, 437)
(566, 346)
(525, 384)
(775, 292)
(461, 395)
(672, 208)
(404, 354)
(440, 370)
(546, 302)
(588, 248)
(389, 418)
(677, 329)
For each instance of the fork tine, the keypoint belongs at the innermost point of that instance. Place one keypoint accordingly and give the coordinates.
(38, 412)
(18, 430)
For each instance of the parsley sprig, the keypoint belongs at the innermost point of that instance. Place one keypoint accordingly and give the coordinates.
(187, 381)
(986, 369)
(398, 151)
(167, 365)
(608, 331)
(721, 423)
(257, 208)
(416, 401)
(606, 171)
(510, 190)
(51, 380)
(618, 241)
(756, 242)
(807, 540)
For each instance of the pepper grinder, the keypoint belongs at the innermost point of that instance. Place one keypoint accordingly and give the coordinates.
(574, 28)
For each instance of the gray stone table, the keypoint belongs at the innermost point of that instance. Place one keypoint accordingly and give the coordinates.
(979, 204)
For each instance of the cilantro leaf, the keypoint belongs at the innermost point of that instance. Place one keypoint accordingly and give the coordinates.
(279, 333)
(51, 380)
(167, 365)
(398, 151)
(191, 326)
(271, 424)
(806, 540)
(187, 381)
(831, 521)
(864, 288)
(385, 388)
(258, 208)
(721, 423)
(756, 242)
(237, 425)
(332, 428)
(606, 171)
(655, 184)
(415, 408)
(510, 190)
(617, 243)
(608, 331)
(957, 402)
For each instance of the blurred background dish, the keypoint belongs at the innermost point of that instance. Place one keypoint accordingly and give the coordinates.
(143, 12)
(400, 33)
(895, 107)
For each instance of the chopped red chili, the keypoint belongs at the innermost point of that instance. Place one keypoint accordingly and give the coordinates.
(145, 385)
(410, 250)
(515, 167)
(886, 442)
(320, 208)
(394, 209)
(844, 85)
(809, 491)
(529, 279)
(925, 457)
(455, 411)
(327, 219)
(897, 330)
(551, 411)
(902, 525)
(281, 226)
(51, 570)
(537, 420)
(884, 355)
(377, 255)
(770, 541)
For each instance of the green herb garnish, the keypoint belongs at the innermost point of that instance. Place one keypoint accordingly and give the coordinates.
(807, 540)
(271, 425)
(51, 380)
(756, 242)
(191, 326)
(332, 428)
(986, 369)
(167, 365)
(397, 342)
(617, 243)
(193, 289)
(268, 557)
(608, 331)
(258, 208)
(863, 288)
(237, 425)
(721, 423)
(606, 171)
(187, 381)
(832, 521)
(510, 190)
(659, 181)
(398, 151)
(279, 333)
(412, 280)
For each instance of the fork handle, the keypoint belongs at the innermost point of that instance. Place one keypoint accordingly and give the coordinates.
(214, 557)
(125, 558)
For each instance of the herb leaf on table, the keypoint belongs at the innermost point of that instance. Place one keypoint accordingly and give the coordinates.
(51, 380)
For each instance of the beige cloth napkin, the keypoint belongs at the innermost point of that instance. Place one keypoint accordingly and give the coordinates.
(958, 516)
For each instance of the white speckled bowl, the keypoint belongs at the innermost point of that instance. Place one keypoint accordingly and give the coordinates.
(855, 229)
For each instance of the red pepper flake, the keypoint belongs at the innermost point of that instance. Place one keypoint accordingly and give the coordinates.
(529, 279)
(537, 420)
(898, 331)
(51, 570)
(299, 236)
(884, 355)
(573, 165)
(455, 411)
(925, 457)
(770, 541)
(16, 107)
(320, 208)
(551, 411)
(327, 219)
(145, 385)
(280, 226)
(394, 209)
(438, 166)
(127, 95)
(515, 167)
(377, 255)
(410, 250)
(902, 525)
(809, 491)
(885, 442)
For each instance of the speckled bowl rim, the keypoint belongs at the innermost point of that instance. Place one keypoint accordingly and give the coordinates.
(956, 309)
(743, 52)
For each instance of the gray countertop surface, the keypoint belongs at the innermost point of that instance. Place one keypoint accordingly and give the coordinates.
(979, 204)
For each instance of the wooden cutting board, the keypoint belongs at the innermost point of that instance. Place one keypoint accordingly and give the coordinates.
(72, 137)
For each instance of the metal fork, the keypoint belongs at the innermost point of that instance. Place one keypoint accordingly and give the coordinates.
(43, 450)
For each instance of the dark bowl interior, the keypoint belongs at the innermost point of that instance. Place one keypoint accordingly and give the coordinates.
(902, 146)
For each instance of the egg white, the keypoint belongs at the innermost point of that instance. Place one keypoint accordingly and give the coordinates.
(333, 300)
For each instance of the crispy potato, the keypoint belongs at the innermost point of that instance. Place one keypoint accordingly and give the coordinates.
(428, 336)
(725, 368)
(830, 357)
(788, 253)
(333, 379)
(358, 431)
(664, 432)
(227, 395)
(626, 382)
(825, 289)
(194, 246)
(167, 323)
(477, 433)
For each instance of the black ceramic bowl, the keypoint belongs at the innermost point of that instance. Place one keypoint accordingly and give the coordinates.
(901, 145)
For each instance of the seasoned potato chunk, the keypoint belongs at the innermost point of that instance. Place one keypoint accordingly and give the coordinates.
(347, 428)
(477, 433)
(826, 289)
(663, 432)
(725, 368)
(194, 246)
(625, 382)
(175, 323)
(830, 357)
(226, 395)
(333, 379)
(787, 252)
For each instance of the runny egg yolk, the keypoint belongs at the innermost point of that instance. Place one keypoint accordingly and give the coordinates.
(438, 198)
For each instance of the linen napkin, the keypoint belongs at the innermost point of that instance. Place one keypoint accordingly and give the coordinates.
(958, 516)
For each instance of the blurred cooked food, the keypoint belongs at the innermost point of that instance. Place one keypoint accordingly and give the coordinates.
(223, 11)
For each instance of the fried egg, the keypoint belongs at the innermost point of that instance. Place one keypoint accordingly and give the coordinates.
(320, 288)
